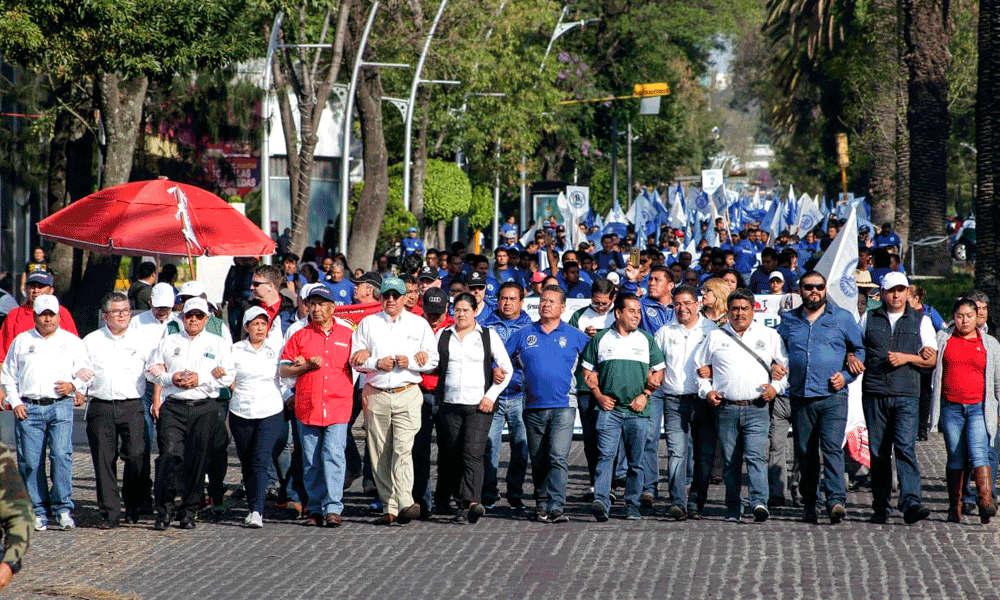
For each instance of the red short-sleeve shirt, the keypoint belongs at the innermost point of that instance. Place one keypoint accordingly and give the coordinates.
(963, 379)
(324, 396)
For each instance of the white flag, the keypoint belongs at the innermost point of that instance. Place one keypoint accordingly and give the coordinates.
(809, 215)
(839, 263)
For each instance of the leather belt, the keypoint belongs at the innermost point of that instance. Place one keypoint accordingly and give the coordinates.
(394, 390)
(41, 401)
(758, 400)
(197, 402)
(118, 401)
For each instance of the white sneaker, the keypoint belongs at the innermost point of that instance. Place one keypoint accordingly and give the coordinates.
(254, 520)
(41, 524)
(66, 521)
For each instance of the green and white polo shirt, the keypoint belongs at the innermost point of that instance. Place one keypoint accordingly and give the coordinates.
(622, 364)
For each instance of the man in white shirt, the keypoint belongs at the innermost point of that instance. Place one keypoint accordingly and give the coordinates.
(118, 355)
(898, 342)
(683, 414)
(150, 326)
(392, 348)
(41, 377)
(740, 387)
(195, 365)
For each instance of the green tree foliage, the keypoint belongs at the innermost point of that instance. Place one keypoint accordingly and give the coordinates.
(481, 211)
(447, 193)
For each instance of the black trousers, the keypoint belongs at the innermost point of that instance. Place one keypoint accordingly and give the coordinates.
(107, 424)
(218, 462)
(185, 433)
(462, 433)
(255, 440)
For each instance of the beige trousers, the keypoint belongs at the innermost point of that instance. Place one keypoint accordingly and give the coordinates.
(391, 422)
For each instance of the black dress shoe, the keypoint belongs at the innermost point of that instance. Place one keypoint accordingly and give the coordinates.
(809, 515)
(107, 524)
(461, 516)
(916, 512)
(161, 524)
(132, 515)
(879, 517)
(187, 523)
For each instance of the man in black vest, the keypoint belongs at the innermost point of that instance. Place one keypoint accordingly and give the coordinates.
(898, 342)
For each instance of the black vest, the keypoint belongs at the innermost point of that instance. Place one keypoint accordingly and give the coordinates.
(880, 377)
(443, 362)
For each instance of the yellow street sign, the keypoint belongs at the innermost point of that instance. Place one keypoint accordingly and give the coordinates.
(645, 90)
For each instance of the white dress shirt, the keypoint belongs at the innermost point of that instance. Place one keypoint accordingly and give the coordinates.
(680, 347)
(202, 354)
(464, 380)
(119, 364)
(928, 337)
(256, 394)
(34, 364)
(735, 374)
(408, 335)
(150, 329)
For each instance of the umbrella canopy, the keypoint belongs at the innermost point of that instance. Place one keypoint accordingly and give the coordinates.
(159, 217)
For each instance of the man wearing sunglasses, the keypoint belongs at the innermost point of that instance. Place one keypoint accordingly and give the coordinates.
(393, 347)
(819, 337)
(195, 365)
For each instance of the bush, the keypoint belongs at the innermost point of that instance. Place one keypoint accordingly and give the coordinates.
(447, 192)
(481, 213)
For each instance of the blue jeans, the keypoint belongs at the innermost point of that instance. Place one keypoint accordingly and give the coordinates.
(324, 466)
(965, 436)
(614, 427)
(743, 432)
(508, 410)
(685, 423)
(892, 429)
(255, 440)
(818, 429)
(550, 435)
(47, 427)
(651, 447)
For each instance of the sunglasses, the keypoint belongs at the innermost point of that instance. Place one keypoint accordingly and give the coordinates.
(391, 295)
(819, 287)
(195, 315)
(254, 284)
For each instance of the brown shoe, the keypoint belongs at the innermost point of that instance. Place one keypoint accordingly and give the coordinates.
(955, 481)
(315, 519)
(385, 519)
(409, 513)
(295, 509)
(333, 520)
(984, 487)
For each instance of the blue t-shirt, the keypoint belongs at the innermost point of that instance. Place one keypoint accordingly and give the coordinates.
(746, 256)
(492, 287)
(580, 290)
(411, 245)
(881, 241)
(604, 261)
(505, 275)
(549, 361)
(343, 292)
(508, 227)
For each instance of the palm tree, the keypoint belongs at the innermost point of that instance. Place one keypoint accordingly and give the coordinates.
(987, 143)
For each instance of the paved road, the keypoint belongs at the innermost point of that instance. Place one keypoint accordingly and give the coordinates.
(507, 556)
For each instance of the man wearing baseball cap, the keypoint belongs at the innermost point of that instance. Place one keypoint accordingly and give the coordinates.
(195, 364)
(412, 244)
(22, 318)
(898, 343)
(393, 347)
(435, 304)
(318, 358)
(40, 376)
(476, 283)
(366, 287)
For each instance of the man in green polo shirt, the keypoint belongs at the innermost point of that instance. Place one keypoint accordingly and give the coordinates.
(622, 366)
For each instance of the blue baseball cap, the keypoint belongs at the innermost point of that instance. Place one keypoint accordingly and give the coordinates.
(320, 291)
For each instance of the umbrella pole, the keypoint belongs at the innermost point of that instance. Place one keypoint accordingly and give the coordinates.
(190, 260)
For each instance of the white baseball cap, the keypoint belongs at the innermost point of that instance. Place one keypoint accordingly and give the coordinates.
(894, 279)
(192, 288)
(776, 275)
(252, 313)
(46, 302)
(195, 304)
(162, 296)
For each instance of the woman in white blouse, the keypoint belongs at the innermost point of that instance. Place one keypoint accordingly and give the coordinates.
(256, 408)
(466, 396)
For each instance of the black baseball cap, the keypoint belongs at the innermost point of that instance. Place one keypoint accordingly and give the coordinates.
(371, 278)
(475, 279)
(428, 273)
(435, 301)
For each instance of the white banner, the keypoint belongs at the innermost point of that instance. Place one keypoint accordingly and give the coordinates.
(711, 179)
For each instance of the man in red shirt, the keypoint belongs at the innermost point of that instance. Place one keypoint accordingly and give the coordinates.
(435, 307)
(318, 356)
(22, 318)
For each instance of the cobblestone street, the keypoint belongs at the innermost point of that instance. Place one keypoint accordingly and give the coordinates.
(508, 556)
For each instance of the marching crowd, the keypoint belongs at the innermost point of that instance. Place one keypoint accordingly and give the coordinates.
(666, 345)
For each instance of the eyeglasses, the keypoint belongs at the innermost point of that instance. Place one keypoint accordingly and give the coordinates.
(819, 287)
(117, 312)
(254, 284)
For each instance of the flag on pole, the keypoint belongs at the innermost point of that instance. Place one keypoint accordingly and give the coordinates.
(528, 235)
(839, 263)
(809, 214)
(616, 222)
(771, 223)
(184, 217)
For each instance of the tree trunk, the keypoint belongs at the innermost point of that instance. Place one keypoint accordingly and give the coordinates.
(885, 48)
(988, 143)
(901, 223)
(61, 256)
(367, 219)
(926, 37)
(120, 101)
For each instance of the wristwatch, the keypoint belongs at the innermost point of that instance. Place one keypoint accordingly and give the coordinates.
(646, 394)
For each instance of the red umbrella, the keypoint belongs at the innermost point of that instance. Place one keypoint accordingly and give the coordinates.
(159, 217)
